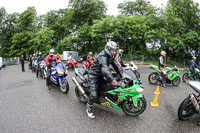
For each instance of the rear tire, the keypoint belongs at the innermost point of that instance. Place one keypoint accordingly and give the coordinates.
(153, 78)
(187, 108)
(79, 96)
(127, 107)
(137, 73)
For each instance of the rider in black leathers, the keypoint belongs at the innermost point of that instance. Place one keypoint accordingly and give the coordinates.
(100, 68)
(39, 59)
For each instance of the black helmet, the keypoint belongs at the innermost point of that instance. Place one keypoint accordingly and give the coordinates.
(111, 46)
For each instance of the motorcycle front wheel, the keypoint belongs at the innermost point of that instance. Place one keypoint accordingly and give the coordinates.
(153, 78)
(65, 86)
(186, 110)
(129, 109)
(176, 81)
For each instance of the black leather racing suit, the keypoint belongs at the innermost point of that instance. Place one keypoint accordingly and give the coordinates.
(100, 68)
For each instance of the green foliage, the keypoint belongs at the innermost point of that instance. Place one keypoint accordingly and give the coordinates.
(83, 26)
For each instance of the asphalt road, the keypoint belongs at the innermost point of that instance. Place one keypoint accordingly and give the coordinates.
(27, 106)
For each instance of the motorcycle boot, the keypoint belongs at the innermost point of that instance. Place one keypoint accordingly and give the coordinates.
(89, 111)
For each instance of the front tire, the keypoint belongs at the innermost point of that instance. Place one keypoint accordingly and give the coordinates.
(185, 77)
(186, 110)
(153, 78)
(65, 87)
(129, 109)
(176, 81)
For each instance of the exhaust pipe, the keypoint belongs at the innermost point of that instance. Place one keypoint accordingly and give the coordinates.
(194, 103)
(76, 83)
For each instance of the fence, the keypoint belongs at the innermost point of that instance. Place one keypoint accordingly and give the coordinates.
(149, 59)
(11, 61)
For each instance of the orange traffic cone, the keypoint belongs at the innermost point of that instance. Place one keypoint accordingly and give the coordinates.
(155, 101)
(157, 90)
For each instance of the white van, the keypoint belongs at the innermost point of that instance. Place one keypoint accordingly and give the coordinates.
(66, 54)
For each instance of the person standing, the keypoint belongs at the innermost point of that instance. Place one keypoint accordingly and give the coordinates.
(22, 63)
(161, 65)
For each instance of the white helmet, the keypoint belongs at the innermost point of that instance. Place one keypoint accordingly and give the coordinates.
(194, 58)
(90, 53)
(51, 51)
(111, 46)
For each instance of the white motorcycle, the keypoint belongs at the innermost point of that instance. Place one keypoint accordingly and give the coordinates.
(133, 67)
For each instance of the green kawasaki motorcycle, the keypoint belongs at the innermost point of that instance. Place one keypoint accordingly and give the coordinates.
(173, 75)
(128, 98)
(186, 75)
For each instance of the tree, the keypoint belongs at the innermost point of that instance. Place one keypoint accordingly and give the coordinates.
(139, 7)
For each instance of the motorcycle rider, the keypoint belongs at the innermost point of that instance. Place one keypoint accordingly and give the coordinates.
(162, 66)
(70, 57)
(39, 59)
(58, 56)
(30, 61)
(193, 65)
(119, 59)
(49, 60)
(89, 57)
(100, 68)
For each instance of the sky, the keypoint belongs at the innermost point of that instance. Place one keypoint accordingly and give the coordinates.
(43, 6)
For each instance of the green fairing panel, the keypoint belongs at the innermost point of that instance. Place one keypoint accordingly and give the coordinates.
(116, 107)
(155, 67)
(168, 68)
(76, 71)
(197, 70)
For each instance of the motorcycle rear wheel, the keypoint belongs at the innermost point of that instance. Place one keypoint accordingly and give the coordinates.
(186, 110)
(129, 109)
(137, 73)
(80, 96)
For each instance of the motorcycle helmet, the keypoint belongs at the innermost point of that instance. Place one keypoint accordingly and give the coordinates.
(51, 52)
(90, 53)
(163, 53)
(111, 48)
(121, 51)
(194, 58)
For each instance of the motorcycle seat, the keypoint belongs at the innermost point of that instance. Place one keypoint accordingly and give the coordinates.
(195, 85)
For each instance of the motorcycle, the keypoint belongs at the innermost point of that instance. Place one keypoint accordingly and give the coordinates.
(190, 105)
(87, 64)
(127, 96)
(173, 75)
(41, 70)
(34, 65)
(58, 77)
(71, 63)
(186, 75)
(133, 67)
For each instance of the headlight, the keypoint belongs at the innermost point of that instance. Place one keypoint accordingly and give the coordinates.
(54, 72)
(139, 89)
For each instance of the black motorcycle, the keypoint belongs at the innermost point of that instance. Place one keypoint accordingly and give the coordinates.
(41, 69)
(191, 105)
